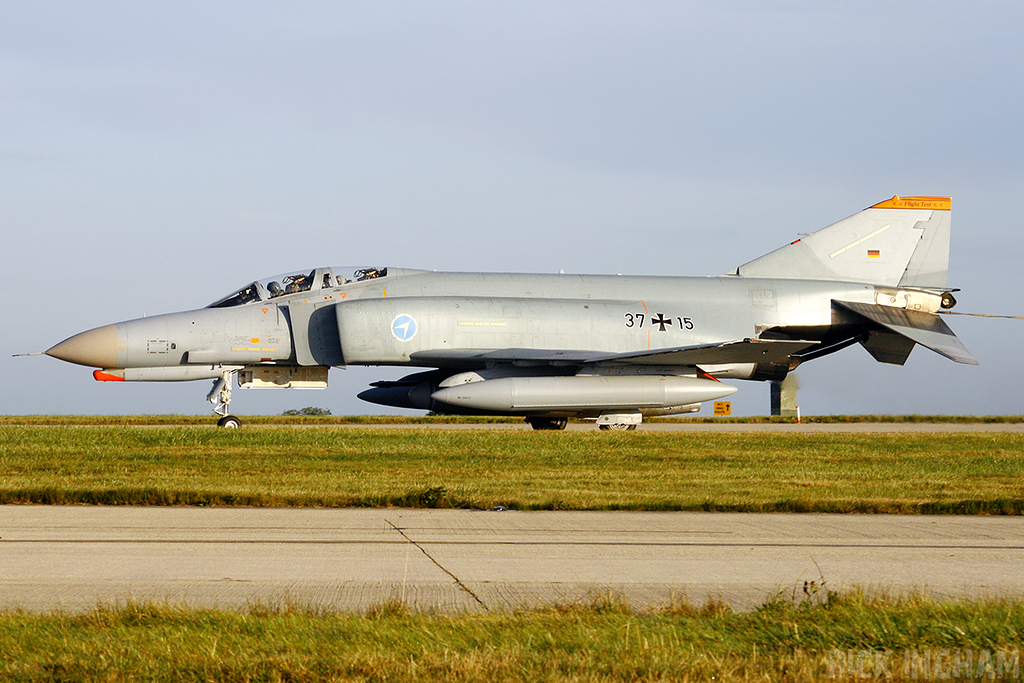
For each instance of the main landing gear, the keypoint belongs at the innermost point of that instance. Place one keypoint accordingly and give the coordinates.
(547, 422)
(616, 422)
(619, 422)
(220, 397)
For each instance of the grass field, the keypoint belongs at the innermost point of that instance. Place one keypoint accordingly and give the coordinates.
(973, 473)
(821, 635)
(848, 637)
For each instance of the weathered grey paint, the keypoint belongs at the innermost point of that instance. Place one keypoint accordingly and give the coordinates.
(581, 313)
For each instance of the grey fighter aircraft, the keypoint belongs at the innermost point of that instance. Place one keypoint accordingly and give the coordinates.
(551, 347)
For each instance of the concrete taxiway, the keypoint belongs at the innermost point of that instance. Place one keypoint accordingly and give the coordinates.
(351, 559)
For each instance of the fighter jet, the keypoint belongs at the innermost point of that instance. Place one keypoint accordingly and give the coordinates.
(552, 347)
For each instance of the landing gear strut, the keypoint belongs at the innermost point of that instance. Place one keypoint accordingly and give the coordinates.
(220, 397)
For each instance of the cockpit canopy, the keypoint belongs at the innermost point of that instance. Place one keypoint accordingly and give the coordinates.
(295, 283)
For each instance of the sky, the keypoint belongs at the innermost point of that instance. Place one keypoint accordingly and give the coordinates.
(157, 156)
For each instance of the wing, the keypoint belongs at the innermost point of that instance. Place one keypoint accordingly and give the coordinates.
(740, 351)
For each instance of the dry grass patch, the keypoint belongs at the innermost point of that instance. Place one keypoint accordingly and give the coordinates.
(782, 640)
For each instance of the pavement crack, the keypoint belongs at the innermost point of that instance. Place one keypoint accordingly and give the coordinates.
(458, 581)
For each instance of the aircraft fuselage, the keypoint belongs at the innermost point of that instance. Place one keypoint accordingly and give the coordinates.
(359, 323)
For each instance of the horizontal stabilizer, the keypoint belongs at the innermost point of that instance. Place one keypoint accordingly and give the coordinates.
(926, 329)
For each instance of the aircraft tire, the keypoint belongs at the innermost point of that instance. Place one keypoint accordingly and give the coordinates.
(547, 423)
(229, 422)
(617, 427)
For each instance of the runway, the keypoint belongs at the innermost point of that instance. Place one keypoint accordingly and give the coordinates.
(450, 560)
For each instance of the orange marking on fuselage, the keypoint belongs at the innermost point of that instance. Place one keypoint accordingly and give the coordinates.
(648, 314)
(101, 376)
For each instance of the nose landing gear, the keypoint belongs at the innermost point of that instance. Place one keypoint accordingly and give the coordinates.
(220, 397)
(229, 422)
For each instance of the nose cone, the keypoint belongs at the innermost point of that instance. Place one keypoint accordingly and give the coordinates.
(96, 348)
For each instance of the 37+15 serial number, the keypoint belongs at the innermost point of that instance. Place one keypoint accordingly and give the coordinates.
(638, 320)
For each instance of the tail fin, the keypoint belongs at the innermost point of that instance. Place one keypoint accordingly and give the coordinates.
(901, 242)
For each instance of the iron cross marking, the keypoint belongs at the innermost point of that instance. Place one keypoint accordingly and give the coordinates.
(661, 320)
